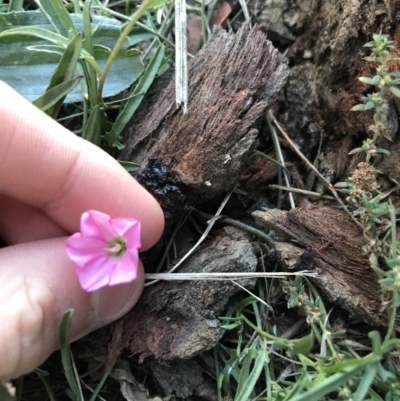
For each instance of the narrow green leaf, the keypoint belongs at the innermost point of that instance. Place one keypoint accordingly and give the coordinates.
(366, 80)
(394, 74)
(49, 387)
(332, 383)
(58, 16)
(37, 33)
(395, 91)
(65, 71)
(52, 49)
(56, 94)
(382, 150)
(245, 368)
(92, 128)
(130, 167)
(248, 387)
(100, 385)
(359, 107)
(16, 5)
(65, 351)
(136, 97)
(365, 382)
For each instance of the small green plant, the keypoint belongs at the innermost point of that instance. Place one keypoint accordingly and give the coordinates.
(385, 82)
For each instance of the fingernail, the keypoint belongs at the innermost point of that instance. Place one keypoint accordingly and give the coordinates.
(110, 303)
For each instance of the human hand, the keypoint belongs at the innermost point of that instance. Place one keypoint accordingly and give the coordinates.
(48, 178)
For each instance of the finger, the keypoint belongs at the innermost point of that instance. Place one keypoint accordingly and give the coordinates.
(20, 222)
(41, 286)
(46, 166)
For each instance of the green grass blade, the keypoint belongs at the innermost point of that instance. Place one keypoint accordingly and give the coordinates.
(247, 388)
(137, 96)
(56, 94)
(65, 352)
(58, 16)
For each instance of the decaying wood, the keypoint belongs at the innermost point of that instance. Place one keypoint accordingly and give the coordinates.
(327, 241)
(190, 158)
(323, 85)
(179, 319)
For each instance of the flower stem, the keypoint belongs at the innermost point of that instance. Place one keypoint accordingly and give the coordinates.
(138, 14)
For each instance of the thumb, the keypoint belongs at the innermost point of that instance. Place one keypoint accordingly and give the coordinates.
(38, 285)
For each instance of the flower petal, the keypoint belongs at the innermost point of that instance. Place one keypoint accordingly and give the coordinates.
(81, 250)
(97, 224)
(132, 236)
(96, 273)
(125, 269)
(122, 224)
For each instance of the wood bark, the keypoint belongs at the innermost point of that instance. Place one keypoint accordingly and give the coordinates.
(187, 159)
(180, 319)
(328, 242)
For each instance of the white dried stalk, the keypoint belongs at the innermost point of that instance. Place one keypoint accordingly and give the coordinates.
(181, 70)
(223, 276)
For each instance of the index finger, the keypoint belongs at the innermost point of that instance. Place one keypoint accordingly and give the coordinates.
(45, 165)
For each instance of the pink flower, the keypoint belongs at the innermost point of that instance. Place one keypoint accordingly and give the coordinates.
(106, 251)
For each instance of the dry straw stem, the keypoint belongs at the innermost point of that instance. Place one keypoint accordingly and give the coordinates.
(310, 165)
(301, 191)
(224, 276)
(181, 68)
(202, 238)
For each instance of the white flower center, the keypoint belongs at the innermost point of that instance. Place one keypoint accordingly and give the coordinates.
(116, 247)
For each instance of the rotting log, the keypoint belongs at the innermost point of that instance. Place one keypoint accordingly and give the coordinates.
(179, 319)
(191, 158)
(328, 242)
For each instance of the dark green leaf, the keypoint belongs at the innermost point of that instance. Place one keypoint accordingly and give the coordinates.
(56, 94)
(129, 166)
(65, 71)
(92, 128)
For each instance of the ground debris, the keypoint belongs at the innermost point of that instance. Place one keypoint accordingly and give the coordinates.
(327, 241)
(180, 319)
